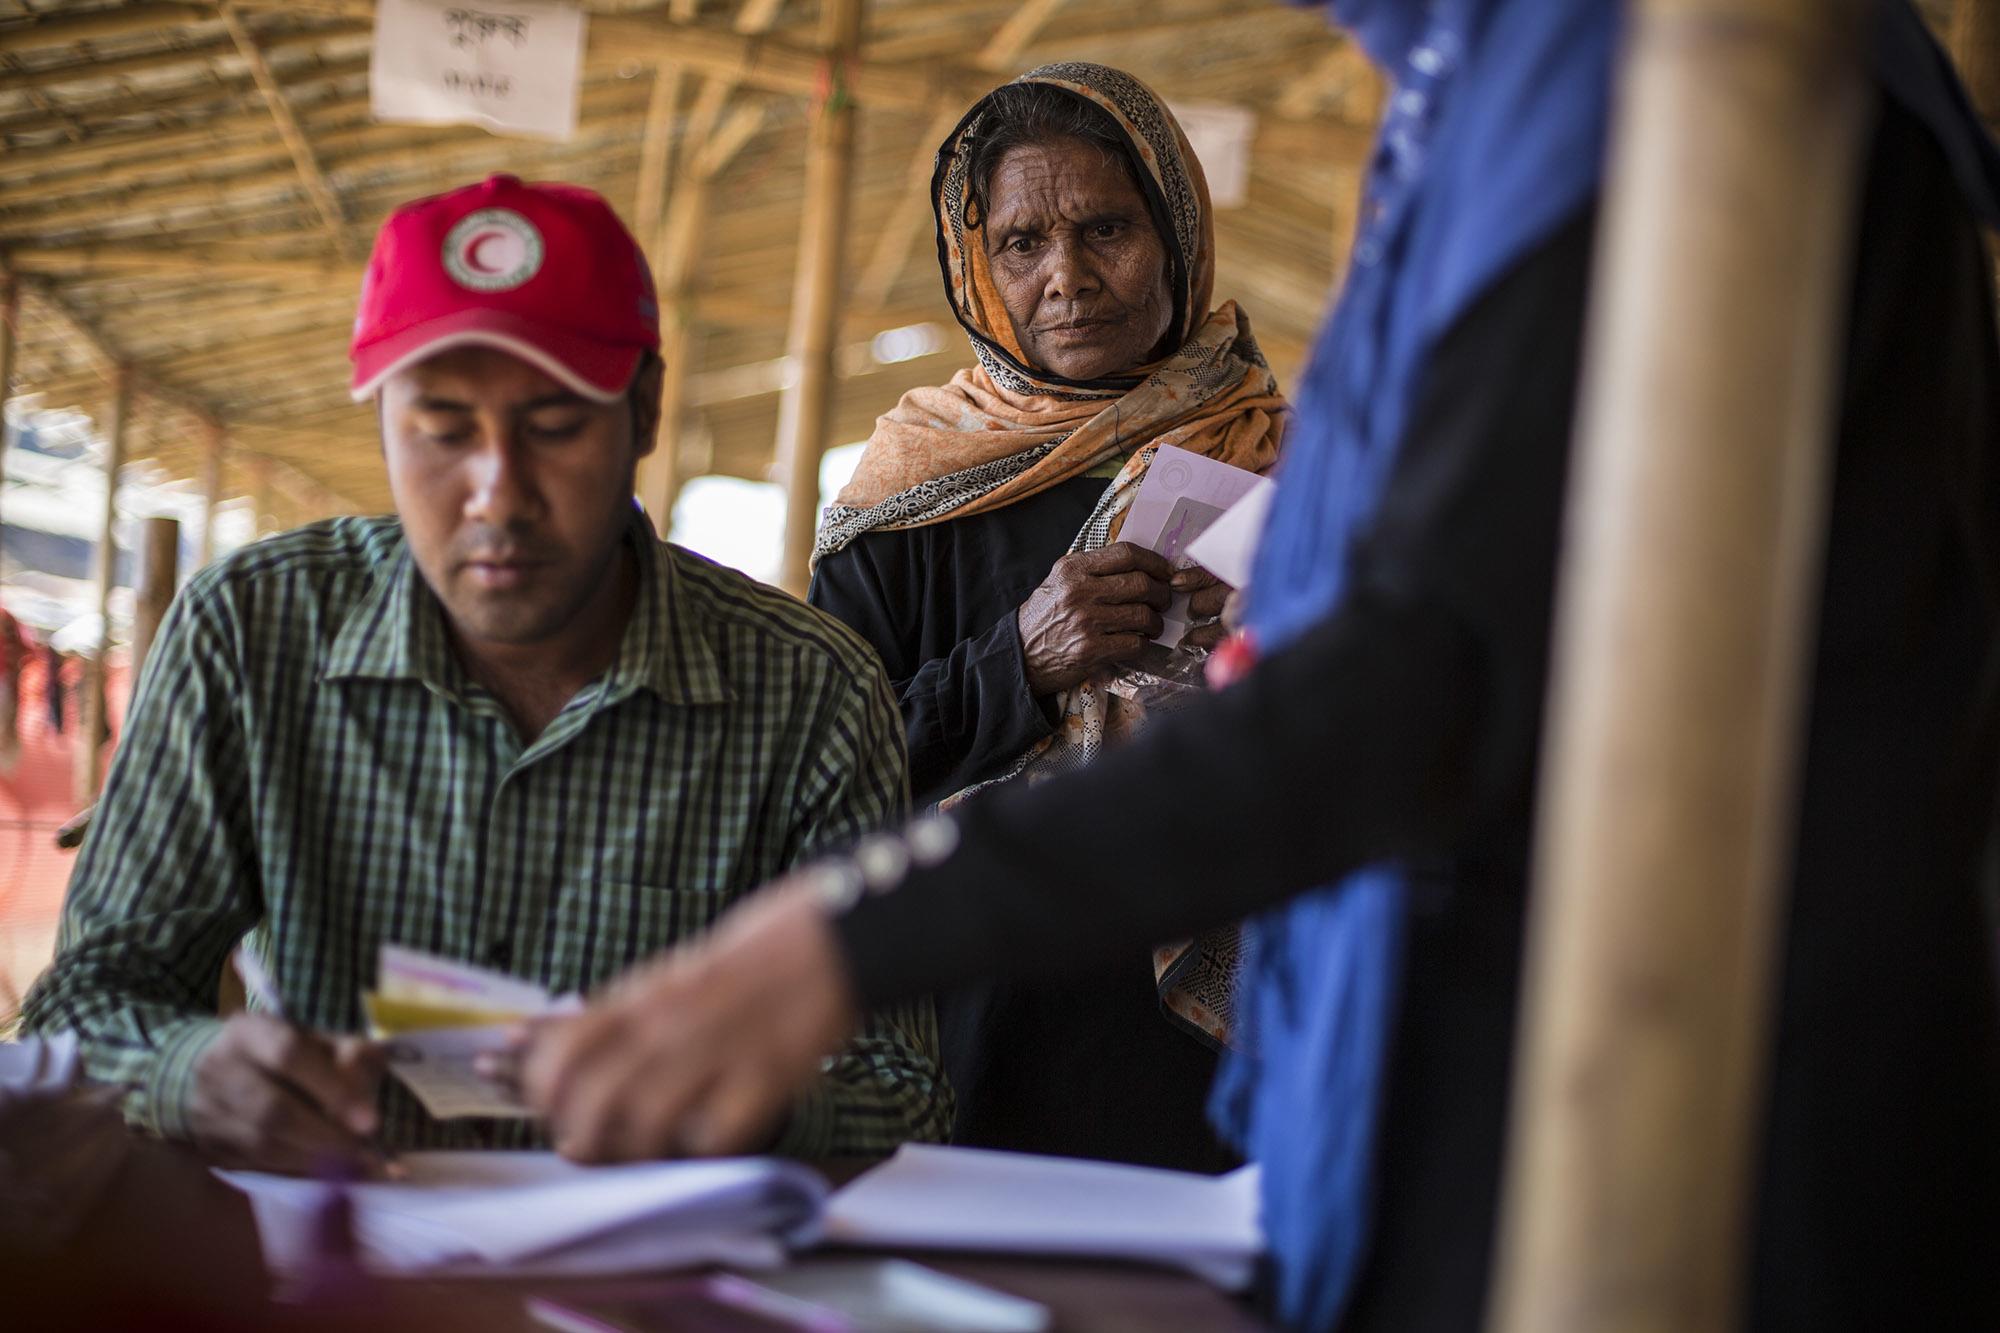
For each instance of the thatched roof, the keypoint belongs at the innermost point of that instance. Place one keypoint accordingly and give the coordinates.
(190, 188)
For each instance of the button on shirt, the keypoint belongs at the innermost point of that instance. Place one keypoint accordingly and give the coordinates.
(306, 762)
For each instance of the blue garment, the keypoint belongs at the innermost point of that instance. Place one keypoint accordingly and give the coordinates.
(1493, 138)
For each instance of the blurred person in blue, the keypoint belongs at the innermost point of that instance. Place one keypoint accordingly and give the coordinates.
(1369, 784)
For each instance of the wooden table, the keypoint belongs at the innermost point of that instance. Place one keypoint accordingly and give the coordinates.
(169, 1247)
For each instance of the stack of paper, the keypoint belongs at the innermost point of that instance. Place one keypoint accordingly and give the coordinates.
(438, 1016)
(471, 1213)
(533, 1214)
(1016, 1203)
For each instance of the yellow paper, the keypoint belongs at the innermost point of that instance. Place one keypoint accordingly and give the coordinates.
(389, 1017)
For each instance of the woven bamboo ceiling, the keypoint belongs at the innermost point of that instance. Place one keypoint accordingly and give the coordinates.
(189, 189)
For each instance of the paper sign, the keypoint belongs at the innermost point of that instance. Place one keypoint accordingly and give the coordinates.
(1182, 497)
(511, 66)
(1220, 135)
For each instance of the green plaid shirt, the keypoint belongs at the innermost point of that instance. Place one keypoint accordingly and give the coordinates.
(307, 763)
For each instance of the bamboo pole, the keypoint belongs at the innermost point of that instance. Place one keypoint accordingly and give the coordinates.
(804, 408)
(680, 244)
(53, 29)
(211, 491)
(1975, 47)
(1684, 636)
(659, 477)
(656, 147)
(262, 497)
(159, 574)
(88, 770)
(10, 333)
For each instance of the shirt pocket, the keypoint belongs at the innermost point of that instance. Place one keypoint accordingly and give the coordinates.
(605, 928)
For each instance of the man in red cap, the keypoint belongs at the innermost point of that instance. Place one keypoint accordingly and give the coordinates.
(507, 725)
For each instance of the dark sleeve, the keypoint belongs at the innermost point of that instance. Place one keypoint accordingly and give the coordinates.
(1398, 723)
(966, 713)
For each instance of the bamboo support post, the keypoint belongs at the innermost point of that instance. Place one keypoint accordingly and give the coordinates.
(159, 575)
(263, 522)
(211, 490)
(1975, 47)
(1684, 637)
(708, 142)
(88, 770)
(659, 477)
(10, 333)
(804, 408)
(656, 148)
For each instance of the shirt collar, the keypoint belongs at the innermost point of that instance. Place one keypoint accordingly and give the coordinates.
(393, 633)
(666, 647)
(396, 632)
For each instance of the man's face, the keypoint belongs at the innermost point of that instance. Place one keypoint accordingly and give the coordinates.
(514, 491)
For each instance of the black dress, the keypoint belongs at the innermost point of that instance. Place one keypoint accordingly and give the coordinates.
(1407, 723)
(1083, 1065)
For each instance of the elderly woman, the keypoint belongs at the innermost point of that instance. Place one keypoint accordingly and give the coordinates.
(976, 548)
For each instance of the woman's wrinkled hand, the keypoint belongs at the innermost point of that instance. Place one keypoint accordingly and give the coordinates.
(1207, 597)
(1094, 610)
(698, 1054)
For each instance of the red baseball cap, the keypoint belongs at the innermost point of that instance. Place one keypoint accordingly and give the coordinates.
(544, 271)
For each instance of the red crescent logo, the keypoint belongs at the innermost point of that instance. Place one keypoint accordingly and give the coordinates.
(472, 259)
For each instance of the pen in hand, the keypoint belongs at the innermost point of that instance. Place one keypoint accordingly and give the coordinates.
(262, 990)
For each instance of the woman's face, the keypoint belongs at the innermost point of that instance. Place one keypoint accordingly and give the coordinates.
(1079, 264)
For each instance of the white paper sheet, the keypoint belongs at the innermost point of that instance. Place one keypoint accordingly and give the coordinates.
(533, 1213)
(437, 1063)
(1229, 546)
(437, 1067)
(928, 1197)
(508, 65)
(1182, 496)
(39, 1066)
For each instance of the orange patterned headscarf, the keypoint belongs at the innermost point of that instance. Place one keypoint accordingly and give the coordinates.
(1004, 430)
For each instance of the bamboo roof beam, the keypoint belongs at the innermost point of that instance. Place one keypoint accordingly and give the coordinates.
(753, 60)
(307, 84)
(114, 366)
(903, 238)
(195, 57)
(1022, 27)
(310, 172)
(417, 152)
(755, 16)
(344, 127)
(152, 260)
(371, 148)
(253, 123)
(55, 28)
